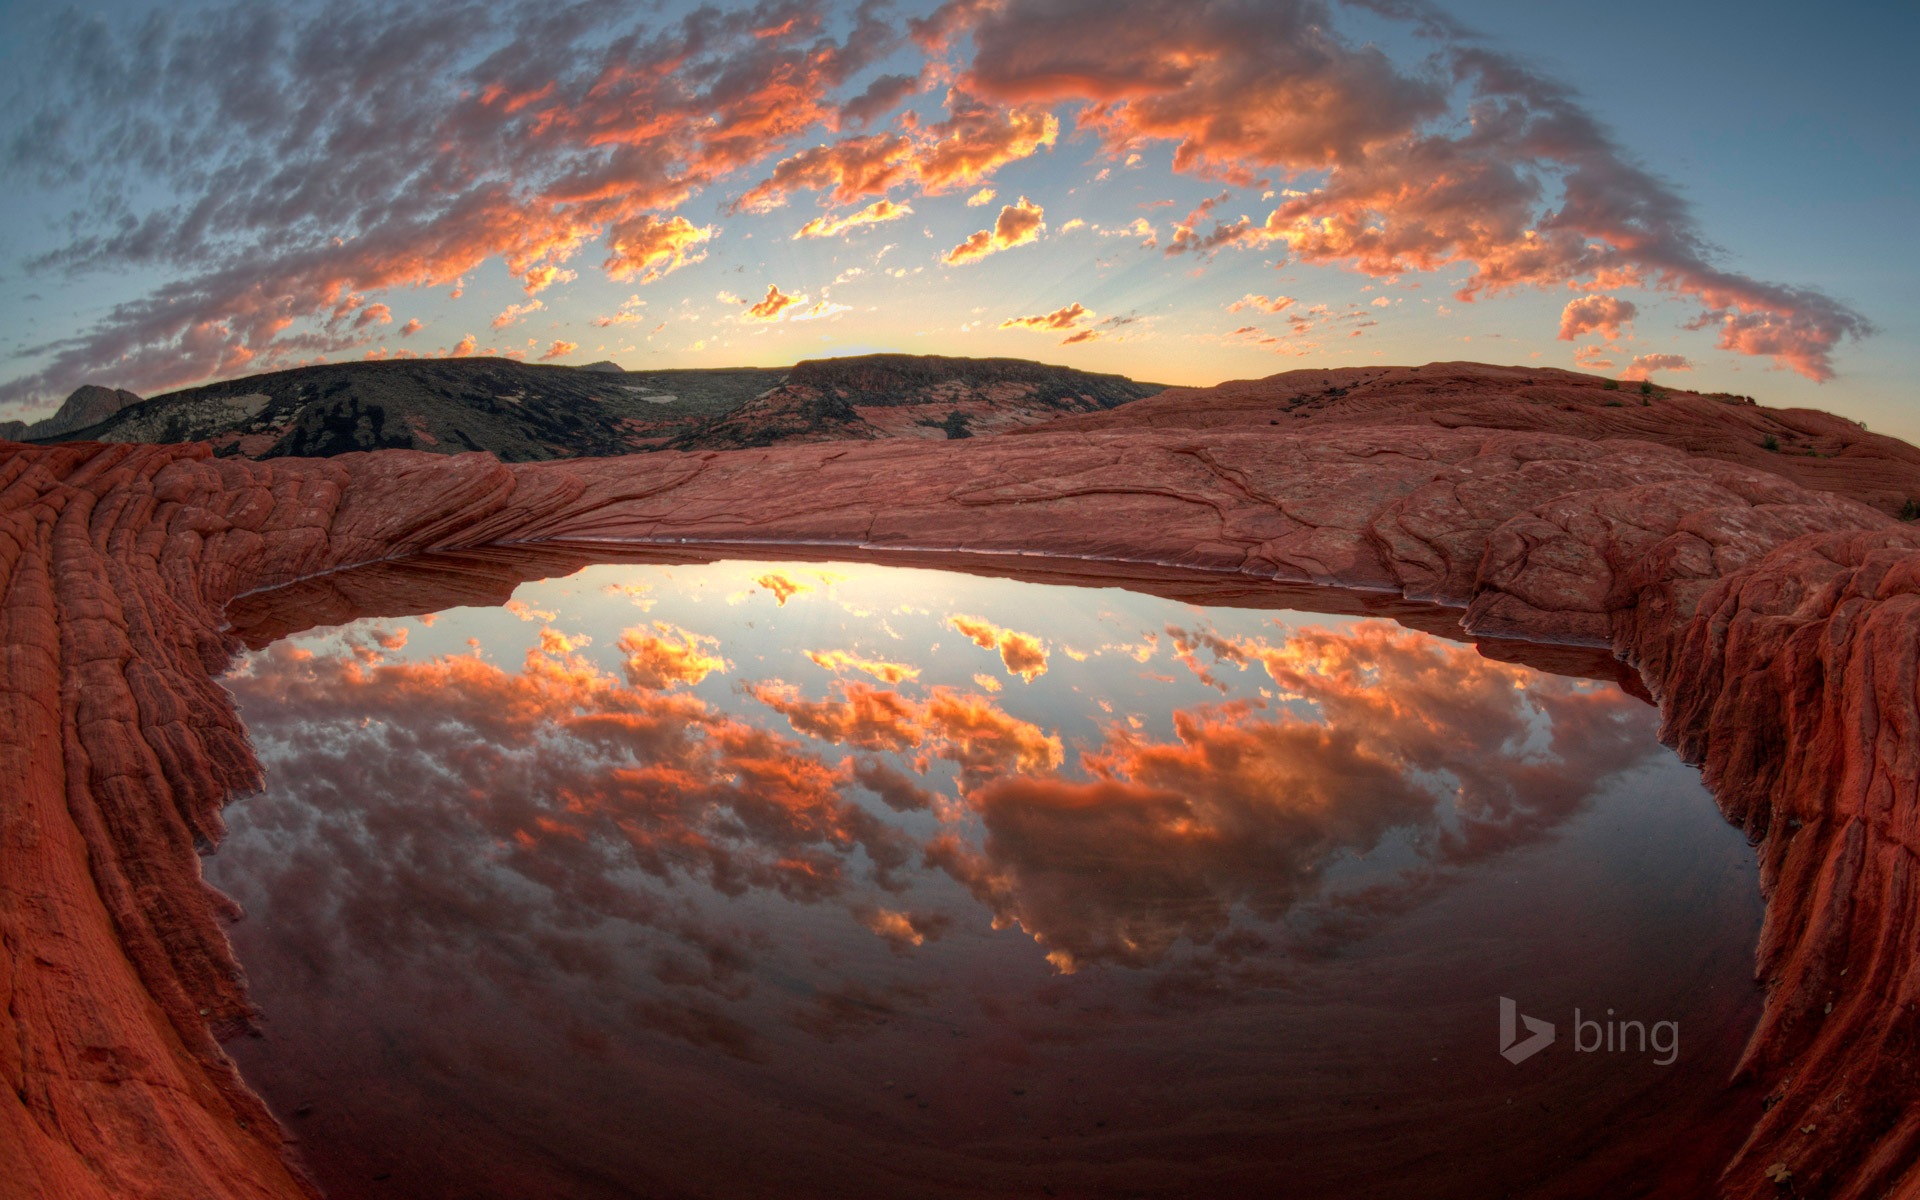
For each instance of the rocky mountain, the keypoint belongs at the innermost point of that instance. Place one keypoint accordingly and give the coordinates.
(522, 412)
(89, 405)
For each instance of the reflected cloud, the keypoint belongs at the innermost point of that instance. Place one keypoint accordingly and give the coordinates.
(839, 661)
(784, 587)
(520, 865)
(1023, 654)
(668, 656)
(424, 800)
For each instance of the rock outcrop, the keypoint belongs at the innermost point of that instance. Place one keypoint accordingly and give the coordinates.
(89, 405)
(1777, 624)
(1814, 449)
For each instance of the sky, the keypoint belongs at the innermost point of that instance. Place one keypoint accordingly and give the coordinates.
(1716, 196)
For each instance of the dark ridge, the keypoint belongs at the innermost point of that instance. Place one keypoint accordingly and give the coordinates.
(523, 412)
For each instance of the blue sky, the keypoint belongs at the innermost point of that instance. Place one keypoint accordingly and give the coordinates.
(216, 192)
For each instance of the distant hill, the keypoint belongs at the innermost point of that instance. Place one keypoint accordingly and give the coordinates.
(522, 412)
(89, 405)
(907, 395)
(519, 412)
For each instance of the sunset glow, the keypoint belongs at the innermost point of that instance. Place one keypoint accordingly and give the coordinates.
(1181, 192)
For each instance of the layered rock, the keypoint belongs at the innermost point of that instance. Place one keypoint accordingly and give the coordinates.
(1778, 627)
(1815, 449)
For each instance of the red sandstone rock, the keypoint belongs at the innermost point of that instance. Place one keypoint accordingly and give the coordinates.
(1779, 627)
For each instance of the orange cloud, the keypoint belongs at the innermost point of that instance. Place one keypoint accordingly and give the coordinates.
(668, 656)
(887, 672)
(873, 214)
(784, 587)
(412, 327)
(584, 779)
(545, 276)
(464, 347)
(559, 350)
(1644, 365)
(848, 171)
(514, 312)
(981, 198)
(978, 140)
(1248, 804)
(373, 314)
(1060, 318)
(970, 145)
(629, 314)
(902, 930)
(1268, 304)
(1541, 198)
(650, 248)
(865, 716)
(770, 309)
(1017, 225)
(1023, 654)
(1608, 316)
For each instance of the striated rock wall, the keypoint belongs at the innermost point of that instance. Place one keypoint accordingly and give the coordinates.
(1775, 625)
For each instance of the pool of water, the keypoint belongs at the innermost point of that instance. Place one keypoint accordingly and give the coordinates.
(822, 880)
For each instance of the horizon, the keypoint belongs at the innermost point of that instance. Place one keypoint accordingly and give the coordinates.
(1246, 190)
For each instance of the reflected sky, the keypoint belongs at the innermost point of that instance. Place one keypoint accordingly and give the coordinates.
(897, 877)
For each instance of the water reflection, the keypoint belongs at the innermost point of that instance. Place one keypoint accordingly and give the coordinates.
(521, 865)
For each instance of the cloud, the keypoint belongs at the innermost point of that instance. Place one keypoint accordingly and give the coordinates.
(1017, 225)
(974, 142)
(1606, 315)
(667, 656)
(559, 349)
(266, 165)
(412, 327)
(1532, 193)
(873, 214)
(1060, 318)
(881, 95)
(359, 151)
(546, 275)
(1644, 365)
(373, 314)
(981, 198)
(628, 314)
(514, 312)
(651, 248)
(1246, 807)
(464, 347)
(783, 586)
(978, 140)
(848, 171)
(1140, 228)
(1023, 654)
(865, 716)
(1266, 304)
(887, 672)
(1233, 85)
(770, 308)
